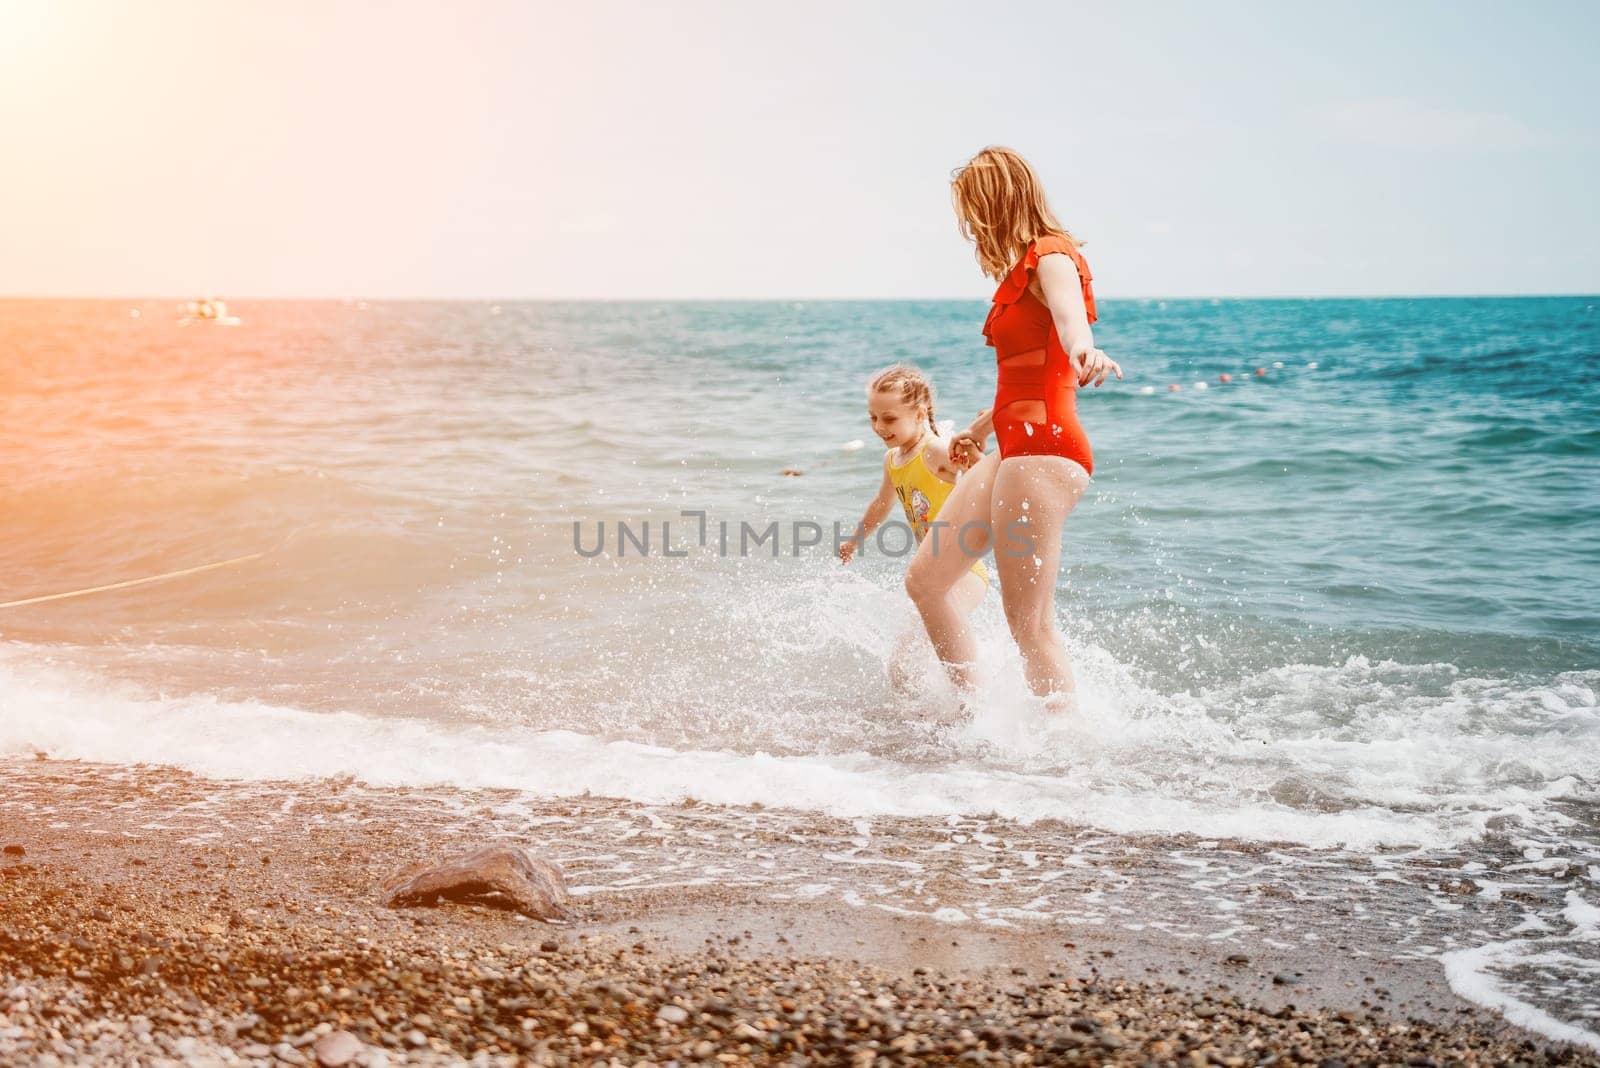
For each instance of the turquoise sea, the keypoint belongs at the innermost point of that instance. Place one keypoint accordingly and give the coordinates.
(1346, 607)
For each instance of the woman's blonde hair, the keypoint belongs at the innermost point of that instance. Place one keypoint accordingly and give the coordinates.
(1000, 206)
(914, 387)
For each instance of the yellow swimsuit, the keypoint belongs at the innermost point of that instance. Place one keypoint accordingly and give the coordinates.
(922, 494)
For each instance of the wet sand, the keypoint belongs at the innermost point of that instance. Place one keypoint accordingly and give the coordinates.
(154, 916)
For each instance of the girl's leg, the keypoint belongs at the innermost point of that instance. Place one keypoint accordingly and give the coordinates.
(965, 596)
(968, 592)
(943, 558)
(903, 661)
(1036, 493)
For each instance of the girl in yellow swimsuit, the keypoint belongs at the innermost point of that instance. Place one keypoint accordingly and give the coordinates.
(918, 473)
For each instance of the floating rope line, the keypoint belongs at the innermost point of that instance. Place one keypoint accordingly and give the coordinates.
(135, 582)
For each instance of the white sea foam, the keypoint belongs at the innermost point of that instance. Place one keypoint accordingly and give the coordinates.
(1584, 917)
(257, 740)
(1172, 770)
(1557, 958)
(1471, 973)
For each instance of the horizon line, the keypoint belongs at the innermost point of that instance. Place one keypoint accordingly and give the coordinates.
(416, 299)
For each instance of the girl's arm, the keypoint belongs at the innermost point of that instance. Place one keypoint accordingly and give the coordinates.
(936, 454)
(1063, 294)
(876, 513)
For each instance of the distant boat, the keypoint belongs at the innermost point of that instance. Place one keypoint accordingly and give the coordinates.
(206, 310)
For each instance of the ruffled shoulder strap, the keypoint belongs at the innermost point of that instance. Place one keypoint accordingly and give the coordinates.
(1016, 283)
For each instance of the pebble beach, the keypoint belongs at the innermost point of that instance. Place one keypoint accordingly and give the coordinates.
(126, 938)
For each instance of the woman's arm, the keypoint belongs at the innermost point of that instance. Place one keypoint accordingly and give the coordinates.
(876, 513)
(1063, 295)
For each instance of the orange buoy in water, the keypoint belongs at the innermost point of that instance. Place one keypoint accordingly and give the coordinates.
(1261, 372)
(1174, 388)
(1224, 377)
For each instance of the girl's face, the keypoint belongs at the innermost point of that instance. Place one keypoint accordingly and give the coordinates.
(896, 422)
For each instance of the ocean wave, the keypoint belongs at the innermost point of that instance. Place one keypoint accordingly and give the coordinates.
(1318, 757)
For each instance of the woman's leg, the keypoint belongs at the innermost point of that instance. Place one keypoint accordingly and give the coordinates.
(1037, 492)
(943, 557)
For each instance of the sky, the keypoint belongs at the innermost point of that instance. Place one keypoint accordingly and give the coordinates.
(762, 150)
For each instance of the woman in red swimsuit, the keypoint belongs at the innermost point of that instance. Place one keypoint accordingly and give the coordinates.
(1018, 498)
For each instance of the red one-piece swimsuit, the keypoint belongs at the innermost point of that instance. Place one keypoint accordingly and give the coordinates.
(1036, 392)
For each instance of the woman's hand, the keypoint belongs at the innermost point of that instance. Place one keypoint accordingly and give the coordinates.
(1096, 365)
(966, 448)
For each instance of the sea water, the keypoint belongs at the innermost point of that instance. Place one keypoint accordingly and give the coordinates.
(1346, 604)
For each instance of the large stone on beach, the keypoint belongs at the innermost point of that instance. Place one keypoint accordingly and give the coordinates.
(502, 876)
(337, 1049)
